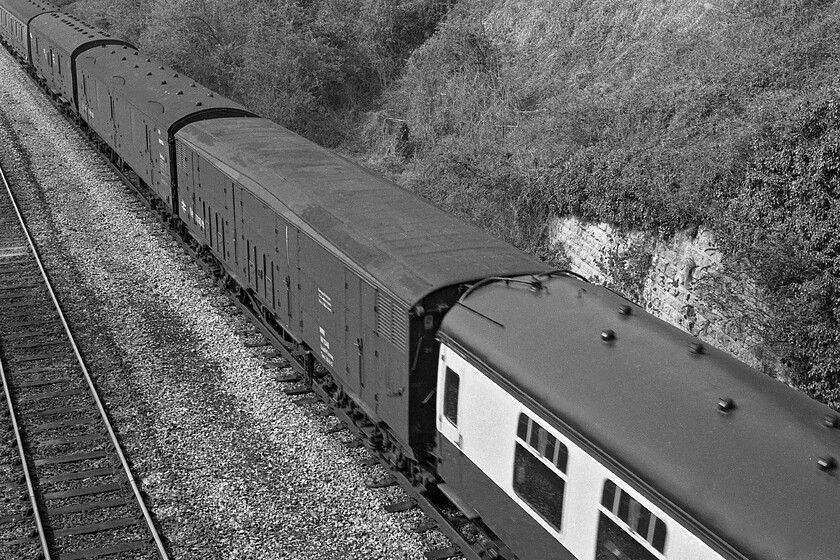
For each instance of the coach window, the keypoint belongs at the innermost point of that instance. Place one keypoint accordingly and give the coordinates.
(450, 396)
(539, 466)
(626, 528)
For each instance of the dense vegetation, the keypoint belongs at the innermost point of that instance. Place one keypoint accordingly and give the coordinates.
(646, 114)
(312, 65)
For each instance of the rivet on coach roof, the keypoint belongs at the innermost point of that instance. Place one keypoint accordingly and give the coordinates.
(725, 404)
(608, 335)
(831, 421)
(696, 348)
(827, 463)
(625, 310)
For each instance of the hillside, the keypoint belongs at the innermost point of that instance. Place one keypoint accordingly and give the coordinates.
(650, 115)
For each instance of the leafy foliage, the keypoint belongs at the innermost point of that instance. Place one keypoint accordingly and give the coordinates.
(784, 226)
(122, 18)
(625, 267)
(310, 65)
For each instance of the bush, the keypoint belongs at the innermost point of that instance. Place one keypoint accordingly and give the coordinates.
(124, 19)
(311, 66)
(640, 114)
(783, 228)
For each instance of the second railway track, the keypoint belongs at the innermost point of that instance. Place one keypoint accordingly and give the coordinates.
(68, 491)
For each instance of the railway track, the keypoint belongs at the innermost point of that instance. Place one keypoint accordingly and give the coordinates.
(68, 492)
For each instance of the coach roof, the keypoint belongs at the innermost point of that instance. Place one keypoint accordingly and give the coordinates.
(72, 34)
(25, 10)
(407, 244)
(653, 406)
(161, 92)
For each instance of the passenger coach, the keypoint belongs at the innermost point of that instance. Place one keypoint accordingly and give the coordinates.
(57, 40)
(15, 17)
(578, 426)
(136, 105)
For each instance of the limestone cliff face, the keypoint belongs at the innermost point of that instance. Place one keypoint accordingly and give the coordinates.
(681, 280)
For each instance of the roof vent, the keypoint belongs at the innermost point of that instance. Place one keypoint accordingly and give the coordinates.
(162, 68)
(192, 84)
(175, 75)
(827, 463)
(198, 103)
(696, 348)
(163, 82)
(210, 94)
(148, 60)
(725, 405)
(148, 73)
(123, 58)
(180, 92)
(136, 66)
(608, 335)
(831, 421)
(625, 310)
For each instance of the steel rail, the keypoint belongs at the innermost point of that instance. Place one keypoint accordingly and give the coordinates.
(104, 415)
(36, 512)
